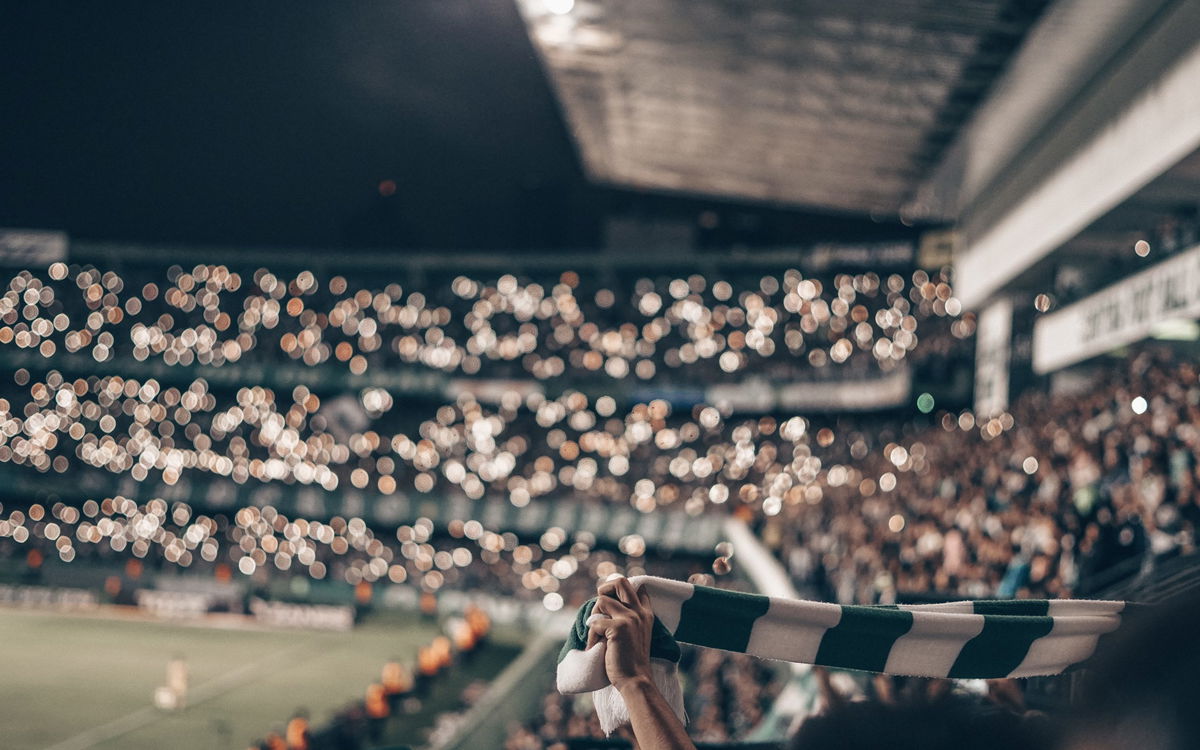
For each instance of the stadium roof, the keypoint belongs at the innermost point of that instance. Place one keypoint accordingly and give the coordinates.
(845, 105)
(434, 124)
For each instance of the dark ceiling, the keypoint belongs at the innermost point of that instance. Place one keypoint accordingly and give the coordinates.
(277, 122)
(398, 124)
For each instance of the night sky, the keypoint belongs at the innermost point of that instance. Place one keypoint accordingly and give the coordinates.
(278, 123)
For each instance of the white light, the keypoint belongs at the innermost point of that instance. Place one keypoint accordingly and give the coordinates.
(560, 7)
(1138, 405)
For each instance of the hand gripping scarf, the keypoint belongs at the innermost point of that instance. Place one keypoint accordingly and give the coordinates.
(969, 639)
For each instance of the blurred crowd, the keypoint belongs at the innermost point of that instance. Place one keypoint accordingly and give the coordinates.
(698, 329)
(1030, 502)
(79, 400)
(1042, 501)
(276, 558)
(199, 440)
(1034, 501)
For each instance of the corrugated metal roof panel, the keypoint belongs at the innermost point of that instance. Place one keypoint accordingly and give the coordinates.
(843, 105)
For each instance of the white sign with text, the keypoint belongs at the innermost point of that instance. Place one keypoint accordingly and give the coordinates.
(1121, 314)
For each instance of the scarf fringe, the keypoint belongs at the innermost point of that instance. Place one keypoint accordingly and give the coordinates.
(611, 708)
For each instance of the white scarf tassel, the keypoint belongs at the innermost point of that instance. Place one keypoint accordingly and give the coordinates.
(611, 708)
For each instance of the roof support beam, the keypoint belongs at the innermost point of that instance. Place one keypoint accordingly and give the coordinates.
(1074, 39)
(1155, 124)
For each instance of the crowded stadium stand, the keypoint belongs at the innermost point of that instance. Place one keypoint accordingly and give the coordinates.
(873, 312)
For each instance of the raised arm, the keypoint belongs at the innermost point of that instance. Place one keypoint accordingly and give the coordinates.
(627, 627)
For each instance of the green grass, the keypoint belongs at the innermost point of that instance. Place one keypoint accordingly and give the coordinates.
(75, 681)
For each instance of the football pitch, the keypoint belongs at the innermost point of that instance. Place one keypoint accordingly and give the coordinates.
(70, 682)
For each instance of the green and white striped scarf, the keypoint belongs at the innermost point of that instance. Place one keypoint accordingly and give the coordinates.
(970, 639)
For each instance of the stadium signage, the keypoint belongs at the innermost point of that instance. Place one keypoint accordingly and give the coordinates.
(1121, 314)
(305, 616)
(47, 597)
(29, 248)
(993, 341)
(823, 257)
(173, 605)
(865, 394)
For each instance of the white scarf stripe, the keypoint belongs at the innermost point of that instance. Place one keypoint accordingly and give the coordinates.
(668, 598)
(1071, 607)
(791, 633)
(1070, 640)
(933, 643)
(950, 608)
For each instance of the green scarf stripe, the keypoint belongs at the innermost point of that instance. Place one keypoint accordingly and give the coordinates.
(720, 619)
(863, 638)
(577, 638)
(1022, 607)
(662, 644)
(1001, 647)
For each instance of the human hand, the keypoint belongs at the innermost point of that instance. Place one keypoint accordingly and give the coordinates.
(627, 626)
